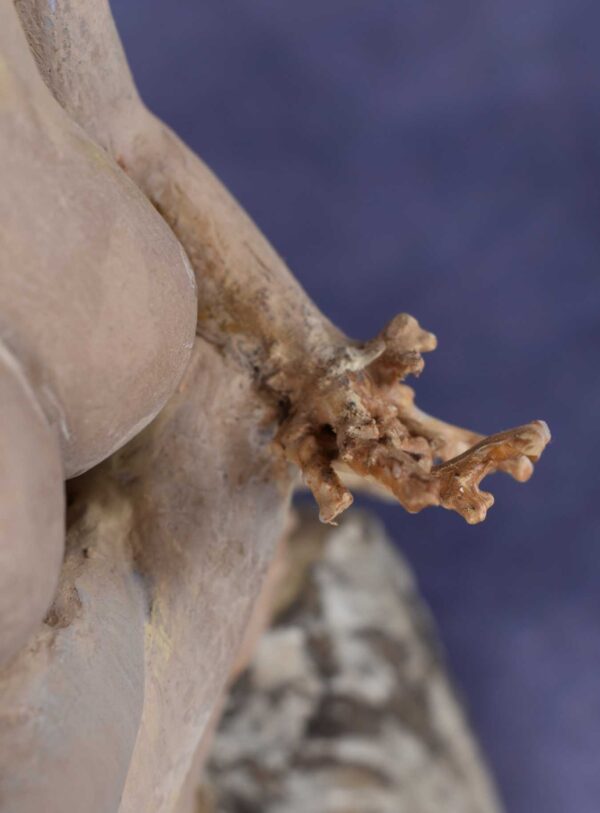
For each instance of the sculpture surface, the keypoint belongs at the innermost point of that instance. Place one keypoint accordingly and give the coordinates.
(133, 287)
(338, 401)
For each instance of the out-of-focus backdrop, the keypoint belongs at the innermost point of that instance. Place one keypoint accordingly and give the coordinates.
(441, 158)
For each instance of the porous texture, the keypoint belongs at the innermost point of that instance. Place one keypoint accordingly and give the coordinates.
(358, 418)
(346, 706)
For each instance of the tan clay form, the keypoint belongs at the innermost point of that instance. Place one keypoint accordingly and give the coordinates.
(97, 301)
(341, 406)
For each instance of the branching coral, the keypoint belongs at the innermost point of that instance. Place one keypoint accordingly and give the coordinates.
(358, 417)
(341, 405)
(98, 315)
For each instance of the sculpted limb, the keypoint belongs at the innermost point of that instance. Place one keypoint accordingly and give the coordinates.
(340, 404)
(97, 318)
(104, 709)
(31, 509)
(97, 300)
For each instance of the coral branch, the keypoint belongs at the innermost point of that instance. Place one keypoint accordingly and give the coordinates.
(356, 416)
(513, 451)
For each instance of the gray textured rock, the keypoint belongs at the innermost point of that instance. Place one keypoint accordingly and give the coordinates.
(346, 706)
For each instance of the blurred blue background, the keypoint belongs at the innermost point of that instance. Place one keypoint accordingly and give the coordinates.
(441, 158)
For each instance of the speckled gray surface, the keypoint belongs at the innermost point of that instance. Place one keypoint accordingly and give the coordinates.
(441, 158)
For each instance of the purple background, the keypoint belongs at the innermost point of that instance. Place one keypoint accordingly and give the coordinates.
(441, 158)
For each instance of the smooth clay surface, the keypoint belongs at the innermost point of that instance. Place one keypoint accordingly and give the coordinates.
(97, 298)
(167, 546)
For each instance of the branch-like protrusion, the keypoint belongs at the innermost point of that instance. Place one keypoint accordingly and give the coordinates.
(345, 408)
(509, 451)
(357, 417)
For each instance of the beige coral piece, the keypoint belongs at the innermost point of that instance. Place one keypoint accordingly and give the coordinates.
(105, 214)
(340, 403)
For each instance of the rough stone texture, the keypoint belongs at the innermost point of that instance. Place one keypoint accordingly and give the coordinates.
(346, 706)
(167, 546)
